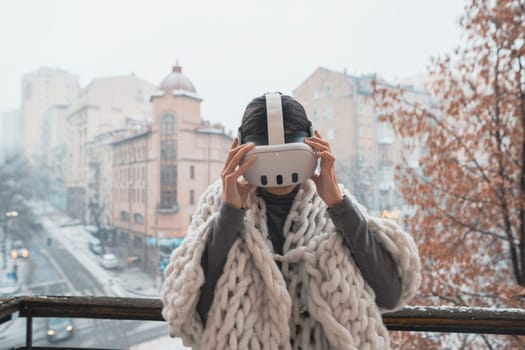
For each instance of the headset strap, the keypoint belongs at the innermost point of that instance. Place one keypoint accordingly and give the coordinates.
(274, 112)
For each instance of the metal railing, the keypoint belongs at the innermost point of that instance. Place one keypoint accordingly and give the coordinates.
(420, 318)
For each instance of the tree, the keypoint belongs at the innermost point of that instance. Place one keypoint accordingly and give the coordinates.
(469, 192)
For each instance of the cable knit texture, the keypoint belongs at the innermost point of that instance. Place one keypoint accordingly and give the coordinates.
(318, 300)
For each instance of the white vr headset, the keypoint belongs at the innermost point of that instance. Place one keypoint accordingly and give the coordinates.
(282, 160)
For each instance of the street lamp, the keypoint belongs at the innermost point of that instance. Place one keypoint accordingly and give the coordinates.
(9, 214)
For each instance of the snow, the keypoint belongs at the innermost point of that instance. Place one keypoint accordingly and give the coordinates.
(129, 282)
(161, 343)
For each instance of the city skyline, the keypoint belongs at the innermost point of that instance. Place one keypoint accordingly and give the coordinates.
(228, 63)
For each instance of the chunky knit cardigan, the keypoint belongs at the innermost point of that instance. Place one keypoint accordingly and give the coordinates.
(318, 300)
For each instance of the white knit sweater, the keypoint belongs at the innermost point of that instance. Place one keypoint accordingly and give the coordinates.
(318, 300)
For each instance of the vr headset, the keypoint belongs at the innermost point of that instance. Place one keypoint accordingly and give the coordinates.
(282, 160)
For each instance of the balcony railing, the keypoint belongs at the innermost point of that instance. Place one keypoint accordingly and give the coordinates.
(420, 319)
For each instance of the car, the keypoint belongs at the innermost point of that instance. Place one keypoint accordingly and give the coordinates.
(59, 328)
(109, 261)
(93, 230)
(95, 246)
(18, 251)
(67, 222)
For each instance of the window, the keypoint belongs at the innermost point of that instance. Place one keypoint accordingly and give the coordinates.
(168, 125)
(168, 175)
(192, 197)
(192, 172)
(168, 199)
(124, 215)
(138, 218)
(168, 149)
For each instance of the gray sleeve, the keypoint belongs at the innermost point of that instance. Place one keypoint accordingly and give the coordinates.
(226, 227)
(374, 261)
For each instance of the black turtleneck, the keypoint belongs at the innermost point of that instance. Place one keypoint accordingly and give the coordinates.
(277, 209)
(374, 261)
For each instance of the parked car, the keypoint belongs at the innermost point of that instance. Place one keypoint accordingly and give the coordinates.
(66, 222)
(96, 246)
(110, 261)
(59, 328)
(18, 250)
(93, 230)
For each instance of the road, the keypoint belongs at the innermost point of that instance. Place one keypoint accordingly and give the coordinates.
(53, 270)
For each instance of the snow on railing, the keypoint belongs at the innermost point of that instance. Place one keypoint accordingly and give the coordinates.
(416, 318)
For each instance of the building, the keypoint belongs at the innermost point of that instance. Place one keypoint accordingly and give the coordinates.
(41, 90)
(160, 171)
(106, 104)
(366, 150)
(99, 189)
(9, 133)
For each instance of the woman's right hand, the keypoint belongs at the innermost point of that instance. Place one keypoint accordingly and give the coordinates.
(235, 192)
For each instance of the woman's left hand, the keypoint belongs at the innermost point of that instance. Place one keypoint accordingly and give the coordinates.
(326, 181)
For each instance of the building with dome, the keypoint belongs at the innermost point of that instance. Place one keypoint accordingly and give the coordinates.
(161, 169)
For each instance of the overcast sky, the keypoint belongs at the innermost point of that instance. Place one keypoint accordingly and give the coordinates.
(231, 50)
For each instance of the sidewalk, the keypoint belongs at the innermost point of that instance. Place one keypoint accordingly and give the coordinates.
(127, 282)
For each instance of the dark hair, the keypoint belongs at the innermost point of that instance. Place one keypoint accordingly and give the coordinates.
(254, 120)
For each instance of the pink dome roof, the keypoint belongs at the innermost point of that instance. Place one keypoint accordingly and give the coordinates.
(177, 81)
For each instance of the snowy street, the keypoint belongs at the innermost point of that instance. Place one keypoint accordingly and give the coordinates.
(60, 263)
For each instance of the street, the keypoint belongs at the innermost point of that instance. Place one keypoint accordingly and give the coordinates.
(52, 269)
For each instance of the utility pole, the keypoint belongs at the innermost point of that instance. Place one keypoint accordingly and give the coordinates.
(8, 214)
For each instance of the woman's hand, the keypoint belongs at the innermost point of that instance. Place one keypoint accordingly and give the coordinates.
(326, 181)
(235, 192)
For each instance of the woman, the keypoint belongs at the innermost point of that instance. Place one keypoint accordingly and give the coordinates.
(294, 267)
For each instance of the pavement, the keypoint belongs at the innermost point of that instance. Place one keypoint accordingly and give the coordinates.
(126, 282)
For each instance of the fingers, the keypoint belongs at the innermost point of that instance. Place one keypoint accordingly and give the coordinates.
(317, 145)
(317, 142)
(235, 156)
(234, 175)
(327, 159)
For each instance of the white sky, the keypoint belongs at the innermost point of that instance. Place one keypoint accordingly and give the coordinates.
(231, 50)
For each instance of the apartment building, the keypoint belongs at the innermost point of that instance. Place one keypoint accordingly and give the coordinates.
(106, 104)
(340, 106)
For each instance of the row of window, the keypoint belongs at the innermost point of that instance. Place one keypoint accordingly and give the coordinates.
(131, 174)
(328, 113)
(326, 91)
(168, 197)
(137, 217)
(125, 154)
(168, 174)
(134, 195)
